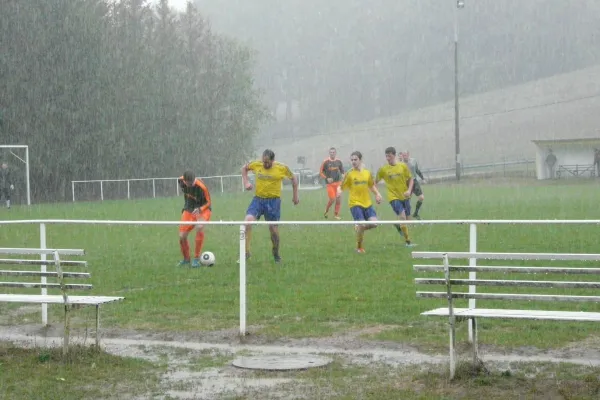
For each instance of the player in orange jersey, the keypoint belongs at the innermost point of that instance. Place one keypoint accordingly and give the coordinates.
(332, 170)
(197, 207)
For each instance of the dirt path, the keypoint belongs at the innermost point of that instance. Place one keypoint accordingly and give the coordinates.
(221, 379)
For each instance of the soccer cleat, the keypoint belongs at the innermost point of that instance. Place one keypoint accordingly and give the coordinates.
(195, 263)
(325, 216)
(408, 244)
(417, 216)
(337, 217)
(277, 259)
(360, 250)
(247, 257)
(184, 263)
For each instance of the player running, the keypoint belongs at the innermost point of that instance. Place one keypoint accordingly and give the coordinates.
(6, 184)
(413, 166)
(267, 200)
(197, 207)
(332, 170)
(399, 185)
(359, 182)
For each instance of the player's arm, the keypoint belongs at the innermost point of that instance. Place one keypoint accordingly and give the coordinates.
(379, 176)
(345, 185)
(205, 195)
(373, 188)
(181, 182)
(245, 168)
(290, 175)
(418, 171)
(322, 170)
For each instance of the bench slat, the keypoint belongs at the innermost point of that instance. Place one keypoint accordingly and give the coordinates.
(505, 269)
(35, 285)
(24, 251)
(47, 274)
(517, 314)
(57, 299)
(509, 296)
(512, 283)
(68, 263)
(507, 256)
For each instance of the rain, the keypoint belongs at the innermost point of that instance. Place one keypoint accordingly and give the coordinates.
(133, 88)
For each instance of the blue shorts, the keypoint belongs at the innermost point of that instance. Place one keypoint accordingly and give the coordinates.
(398, 206)
(362, 214)
(270, 208)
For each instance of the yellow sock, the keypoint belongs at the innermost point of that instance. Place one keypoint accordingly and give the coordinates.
(405, 231)
(359, 238)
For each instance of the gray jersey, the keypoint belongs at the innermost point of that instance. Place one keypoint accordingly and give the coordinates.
(5, 179)
(413, 166)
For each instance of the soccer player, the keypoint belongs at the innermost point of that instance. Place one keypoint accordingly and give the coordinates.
(197, 207)
(267, 200)
(359, 181)
(332, 170)
(413, 166)
(399, 185)
(6, 184)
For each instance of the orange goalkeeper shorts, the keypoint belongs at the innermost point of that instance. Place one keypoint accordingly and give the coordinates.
(332, 189)
(187, 216)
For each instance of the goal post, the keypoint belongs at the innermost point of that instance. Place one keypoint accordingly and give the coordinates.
(10, 148)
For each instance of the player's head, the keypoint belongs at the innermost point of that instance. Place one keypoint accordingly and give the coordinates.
(4, 165)
(404, 156)
(356, 159)
(189, 178)
(390, 155)
(332, 153)
(267, 158)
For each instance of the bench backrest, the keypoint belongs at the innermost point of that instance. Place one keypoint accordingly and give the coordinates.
(20, 271)
(538, 276)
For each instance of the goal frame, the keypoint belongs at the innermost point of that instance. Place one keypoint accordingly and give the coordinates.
(25, 161)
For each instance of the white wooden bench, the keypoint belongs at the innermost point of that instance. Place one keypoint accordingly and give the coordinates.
(34, 279)
(539, 279)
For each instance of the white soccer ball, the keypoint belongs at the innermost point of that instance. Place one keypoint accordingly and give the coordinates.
(207, 259)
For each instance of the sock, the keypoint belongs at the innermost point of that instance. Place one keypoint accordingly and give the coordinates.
(419, 204)
(360, 234)
(405, 231)
(248, 236)
(199, 243)
(275, 242)
(185, 249)
(337, 208)
(399, 229)
(8, 203)
(329, 203)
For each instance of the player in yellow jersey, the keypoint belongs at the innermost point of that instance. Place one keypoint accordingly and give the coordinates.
(267, 200)
(359, 181)
(399, 184)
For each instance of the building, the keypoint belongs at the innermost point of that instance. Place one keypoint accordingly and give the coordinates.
(566, 158)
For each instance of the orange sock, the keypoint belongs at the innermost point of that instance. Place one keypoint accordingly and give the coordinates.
(199, 243)
(329, 204)
(185, 248)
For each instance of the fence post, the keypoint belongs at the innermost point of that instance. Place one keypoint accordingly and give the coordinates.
(43, 269)
(73, 190)
(242, 280)
(222, 191)
(153, 188)
(177, 186)
(472, 274)
(101, 191)
(128, 189)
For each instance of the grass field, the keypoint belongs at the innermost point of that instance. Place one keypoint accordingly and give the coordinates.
(322, 287)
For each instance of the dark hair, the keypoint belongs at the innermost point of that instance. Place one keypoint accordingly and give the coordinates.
(357, 154)
(331, 148)
(189, 176)
(269, 153)
(390, 150)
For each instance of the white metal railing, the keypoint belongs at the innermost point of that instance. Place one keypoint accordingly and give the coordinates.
(242, 240)
(220, 178)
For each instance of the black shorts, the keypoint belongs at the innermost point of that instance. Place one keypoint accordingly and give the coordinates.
(416, 188)
(5, 193)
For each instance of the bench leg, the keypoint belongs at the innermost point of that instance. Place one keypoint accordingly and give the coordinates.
(67, 331)
(452, 347)
(98, 325)
(475, 343)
